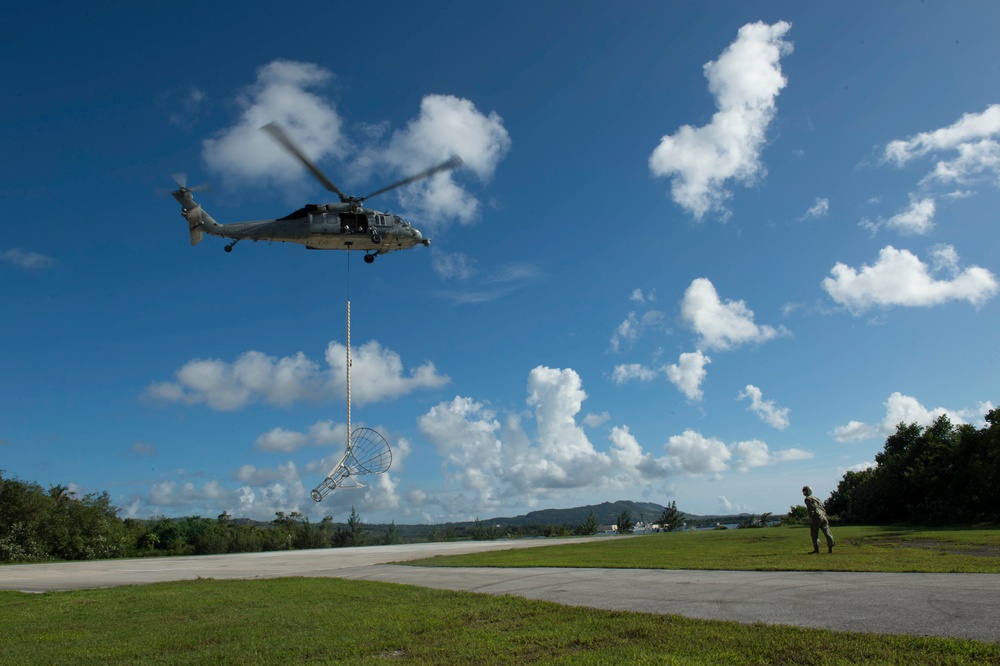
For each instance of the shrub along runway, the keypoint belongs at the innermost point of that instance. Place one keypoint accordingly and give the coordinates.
(943, 605)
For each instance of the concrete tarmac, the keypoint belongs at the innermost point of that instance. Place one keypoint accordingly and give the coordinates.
(944, 605)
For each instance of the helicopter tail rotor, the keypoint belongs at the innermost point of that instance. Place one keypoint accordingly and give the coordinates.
(181, 179)
(199, 221)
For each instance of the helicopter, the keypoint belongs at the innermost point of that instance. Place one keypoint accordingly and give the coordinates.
(346, 225)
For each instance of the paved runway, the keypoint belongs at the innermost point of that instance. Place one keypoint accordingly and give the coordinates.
(946, 605)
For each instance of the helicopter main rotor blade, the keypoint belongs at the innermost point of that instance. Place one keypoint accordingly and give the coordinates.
(450, 164)
(279, 135)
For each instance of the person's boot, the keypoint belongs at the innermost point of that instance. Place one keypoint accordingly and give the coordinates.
(813, 552)
(831, 549)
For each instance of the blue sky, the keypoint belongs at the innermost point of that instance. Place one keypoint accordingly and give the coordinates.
(705, 253)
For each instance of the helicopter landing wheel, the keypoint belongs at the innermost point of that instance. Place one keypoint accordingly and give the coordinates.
(229, 248)
(376, 238)
(369, 258)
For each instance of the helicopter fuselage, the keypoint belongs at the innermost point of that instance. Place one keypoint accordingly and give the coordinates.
(334, 226)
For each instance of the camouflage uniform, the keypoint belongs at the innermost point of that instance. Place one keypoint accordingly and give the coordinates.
(817, 520)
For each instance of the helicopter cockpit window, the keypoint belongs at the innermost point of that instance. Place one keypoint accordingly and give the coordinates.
(398, 220)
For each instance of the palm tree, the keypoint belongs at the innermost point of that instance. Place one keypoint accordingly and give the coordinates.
(61, 494)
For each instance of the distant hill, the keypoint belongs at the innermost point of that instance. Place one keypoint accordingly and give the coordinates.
(607, 514)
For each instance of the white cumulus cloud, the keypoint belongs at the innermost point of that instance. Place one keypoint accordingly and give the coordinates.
(722, 325)
(688, 373)
(969, 130)
(900, 408)
(967, 152)
(627, 372)
(279, 439)
(697, 455)
(187, 496)
(283, 94)
(917, 218)
(767, 410)
(377, 374)
(898, 277)
(447, 125)
(594, 420)
(819, 209)
(638, 296)
(632, 328)
(693, 453)
(490, 459)
(545, 454)
(854, 431)
(746, 81)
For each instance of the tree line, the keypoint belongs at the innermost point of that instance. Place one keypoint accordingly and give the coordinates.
(38, 524)
(934, 475)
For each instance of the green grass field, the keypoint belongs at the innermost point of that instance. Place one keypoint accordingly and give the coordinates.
(297, 620)
(769, 549)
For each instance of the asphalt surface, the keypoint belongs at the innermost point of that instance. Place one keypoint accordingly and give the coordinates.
(944, 605)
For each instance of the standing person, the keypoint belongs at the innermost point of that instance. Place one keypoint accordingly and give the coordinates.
(817, 520)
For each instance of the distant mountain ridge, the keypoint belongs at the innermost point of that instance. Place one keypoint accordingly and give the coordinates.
(607, 514)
